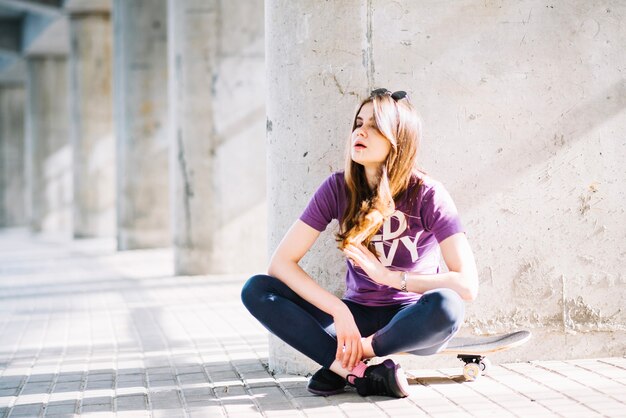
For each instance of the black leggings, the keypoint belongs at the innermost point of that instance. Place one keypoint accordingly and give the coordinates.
(421, 328)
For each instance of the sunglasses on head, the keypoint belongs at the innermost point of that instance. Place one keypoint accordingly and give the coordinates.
(396, 95)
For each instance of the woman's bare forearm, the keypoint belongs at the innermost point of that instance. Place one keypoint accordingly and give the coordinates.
(290, 273)
(464, 284)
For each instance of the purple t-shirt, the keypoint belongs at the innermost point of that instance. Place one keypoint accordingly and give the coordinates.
(407, 241)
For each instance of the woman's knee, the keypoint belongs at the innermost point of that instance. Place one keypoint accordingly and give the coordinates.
(448, 308)
(255, 290)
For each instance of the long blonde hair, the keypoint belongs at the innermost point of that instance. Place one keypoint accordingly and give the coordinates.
(366, 209)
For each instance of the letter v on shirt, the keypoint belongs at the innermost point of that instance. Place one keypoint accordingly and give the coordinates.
(386, 259)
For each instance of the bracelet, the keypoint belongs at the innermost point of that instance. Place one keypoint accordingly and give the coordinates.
(403, 283)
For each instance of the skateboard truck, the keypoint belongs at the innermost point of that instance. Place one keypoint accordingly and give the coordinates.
(475, 366)
(472, 351)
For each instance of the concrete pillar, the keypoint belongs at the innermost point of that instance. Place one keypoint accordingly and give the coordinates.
(12, 169)
(140, 73)
(48, 149)
(92, 124)
(313, 90)
(218, 151)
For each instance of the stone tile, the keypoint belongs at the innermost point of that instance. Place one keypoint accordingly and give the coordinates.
(206, 412)
(27, 410)
(236, 410)
(48, 377)
(192, 378)
(36, 388)
(69, 377)
(133, 414)
(10, 382)
(99, 384)
(131, 403)
(67, 386)
(9, 392)
(165, 400)
(96, 377)
(97, 400)
(60, 409)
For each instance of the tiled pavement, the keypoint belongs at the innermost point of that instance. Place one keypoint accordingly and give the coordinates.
(85, 331)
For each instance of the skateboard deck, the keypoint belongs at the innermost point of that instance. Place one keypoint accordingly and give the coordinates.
(473, 350)
(486, 345)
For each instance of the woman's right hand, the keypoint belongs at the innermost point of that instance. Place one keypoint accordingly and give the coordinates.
(349, 347)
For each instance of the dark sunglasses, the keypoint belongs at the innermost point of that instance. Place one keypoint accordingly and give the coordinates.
(396, 95)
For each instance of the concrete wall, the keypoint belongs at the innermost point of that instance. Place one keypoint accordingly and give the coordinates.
(48, 148)
(140, 74)
(12, 158)
(528, 133)
(522, 104)
(218, 120)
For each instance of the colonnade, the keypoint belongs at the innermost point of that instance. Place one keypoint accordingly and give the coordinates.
(149, 129)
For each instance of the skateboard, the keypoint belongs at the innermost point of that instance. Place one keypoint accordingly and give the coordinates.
(473, 350)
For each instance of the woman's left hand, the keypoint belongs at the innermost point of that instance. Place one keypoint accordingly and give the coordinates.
(364, 258)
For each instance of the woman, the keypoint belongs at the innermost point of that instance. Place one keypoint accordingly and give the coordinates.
(395, 221)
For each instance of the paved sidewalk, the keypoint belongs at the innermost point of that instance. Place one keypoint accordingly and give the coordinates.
(86, 331)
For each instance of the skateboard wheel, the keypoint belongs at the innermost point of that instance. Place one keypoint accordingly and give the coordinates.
(471, 371)
(485, 366)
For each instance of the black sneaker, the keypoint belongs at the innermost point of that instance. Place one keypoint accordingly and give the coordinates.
(325, 382)
(386, 378)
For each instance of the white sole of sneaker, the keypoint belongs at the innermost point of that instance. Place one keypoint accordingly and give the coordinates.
(403, 383)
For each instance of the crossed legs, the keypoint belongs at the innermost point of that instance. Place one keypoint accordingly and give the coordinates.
(421, 328)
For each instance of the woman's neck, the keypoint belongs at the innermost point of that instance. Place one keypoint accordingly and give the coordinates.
(372, 173)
